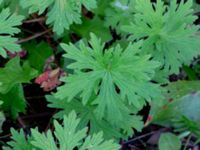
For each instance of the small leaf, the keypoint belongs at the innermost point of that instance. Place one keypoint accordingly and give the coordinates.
(169, 141)
(14, 101)
(13, 74)
(96, 26)
(38, 54)
(19, 141)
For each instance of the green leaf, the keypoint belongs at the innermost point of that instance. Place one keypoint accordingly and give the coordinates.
(61, 13)
(186, 125)
(7, 30)
(13, 74)
(14, 101)
(36, 5)
(42, 141)
(189, 106)
(107, 72)
(176, 90)
(190, 73)
(87, 117)
(96, 142)
(19, 142)
(102, 5)
(38, 54)
(175, 104)
(92, 26)
(70, 137)
(120, 13)
(14, 6)
(89, 4)
(169, 31)
(169, 141)
(196, 6)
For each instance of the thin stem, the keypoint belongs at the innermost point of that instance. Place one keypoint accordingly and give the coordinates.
(41, 19)
(33, 37)
(187, 142)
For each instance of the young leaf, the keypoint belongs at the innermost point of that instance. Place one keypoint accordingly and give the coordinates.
(7, 30)
(169, 31)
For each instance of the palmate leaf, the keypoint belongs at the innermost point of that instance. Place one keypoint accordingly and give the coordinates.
(169, 30)
(87, 117)
(19, 142)
(69, 137)
(61, 13)
(7, 30)
(101, 73)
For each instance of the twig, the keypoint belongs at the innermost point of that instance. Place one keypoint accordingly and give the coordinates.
(33, 37)
(5, 136)
(45, 114)
(21, 122)
(41, 19)
(187, 142)
(139, 137)
(34, 97)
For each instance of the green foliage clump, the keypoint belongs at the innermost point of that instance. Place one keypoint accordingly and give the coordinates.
(112, 81)
(68, 136)
(134, 46)
(169, 31)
